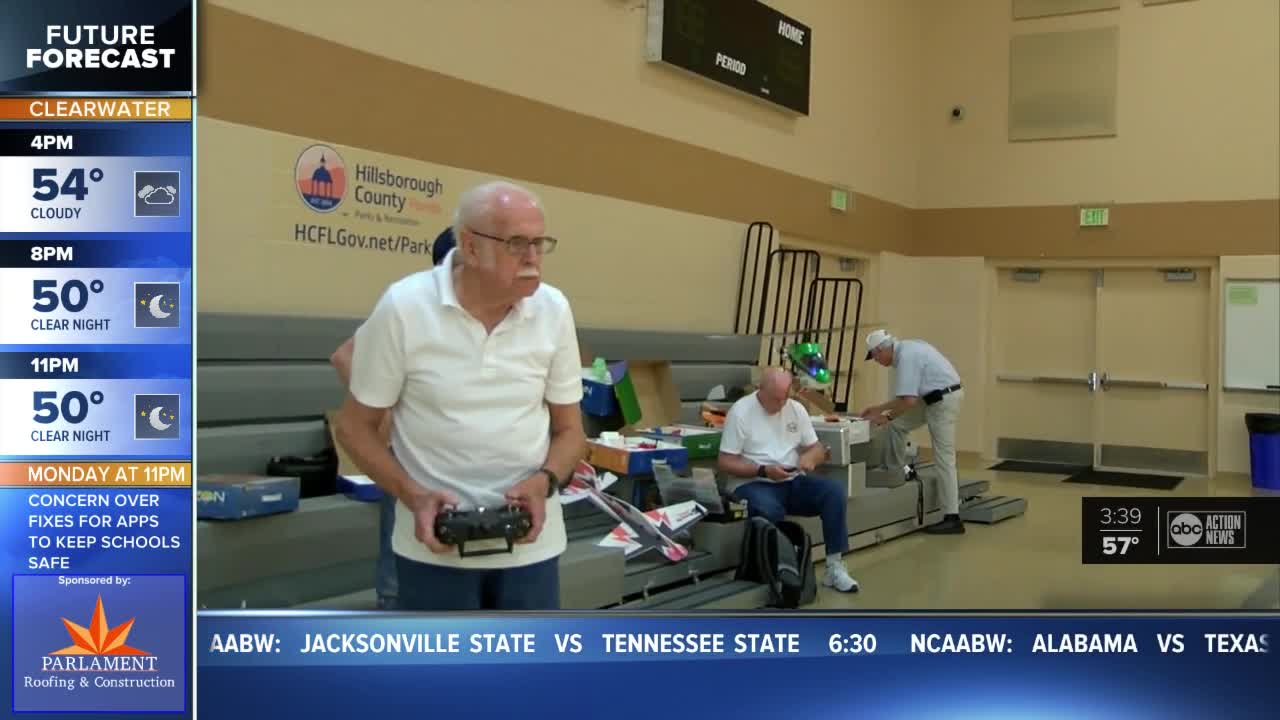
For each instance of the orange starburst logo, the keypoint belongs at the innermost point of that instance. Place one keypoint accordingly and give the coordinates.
(99, 638)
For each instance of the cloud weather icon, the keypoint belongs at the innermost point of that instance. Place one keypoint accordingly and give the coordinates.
(156, 193)
(158, 196)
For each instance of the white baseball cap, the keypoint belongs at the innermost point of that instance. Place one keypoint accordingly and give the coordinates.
(876, 339)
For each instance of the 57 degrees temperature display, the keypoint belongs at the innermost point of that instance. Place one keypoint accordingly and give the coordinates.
(1119, 544)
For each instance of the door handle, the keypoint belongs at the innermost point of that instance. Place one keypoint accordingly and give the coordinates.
(1152, 384)
(1046, 379)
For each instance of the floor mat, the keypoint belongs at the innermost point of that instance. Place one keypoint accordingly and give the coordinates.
(1027, 466)
(1119, 479)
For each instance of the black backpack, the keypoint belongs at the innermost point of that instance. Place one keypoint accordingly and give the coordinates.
(779, 556)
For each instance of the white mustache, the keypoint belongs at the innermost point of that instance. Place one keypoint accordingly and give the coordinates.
(529, 273)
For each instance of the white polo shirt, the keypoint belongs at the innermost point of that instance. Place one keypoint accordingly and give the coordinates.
(765, 439)
(468, 408)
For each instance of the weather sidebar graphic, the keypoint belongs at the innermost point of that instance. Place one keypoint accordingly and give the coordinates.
(96, 361)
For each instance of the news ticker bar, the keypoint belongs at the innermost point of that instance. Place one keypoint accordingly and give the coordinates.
(762, 666)
(1180, 530)
(246, 639)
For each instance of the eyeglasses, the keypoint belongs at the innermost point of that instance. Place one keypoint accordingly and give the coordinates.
(519, 244)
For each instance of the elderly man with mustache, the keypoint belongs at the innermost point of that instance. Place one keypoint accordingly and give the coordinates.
(477, 361)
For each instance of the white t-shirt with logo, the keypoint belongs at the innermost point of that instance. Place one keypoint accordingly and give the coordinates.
(766, 439)
(469, 409)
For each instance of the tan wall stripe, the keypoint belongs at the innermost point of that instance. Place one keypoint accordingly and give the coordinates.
(1192, 229)
(264, 75)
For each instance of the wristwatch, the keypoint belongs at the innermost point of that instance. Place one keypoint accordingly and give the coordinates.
(553, 486)
(760, 471)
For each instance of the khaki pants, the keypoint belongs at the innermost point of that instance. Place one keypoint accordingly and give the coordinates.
(889, 447)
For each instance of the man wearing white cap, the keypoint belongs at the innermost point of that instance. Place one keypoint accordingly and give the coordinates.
(921, 374)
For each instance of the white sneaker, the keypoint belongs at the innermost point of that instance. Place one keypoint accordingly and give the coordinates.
(838, 578)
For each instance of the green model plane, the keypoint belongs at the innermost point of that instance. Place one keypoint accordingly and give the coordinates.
(808, 365)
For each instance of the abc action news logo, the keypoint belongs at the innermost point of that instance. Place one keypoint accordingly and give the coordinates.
(1206, 529)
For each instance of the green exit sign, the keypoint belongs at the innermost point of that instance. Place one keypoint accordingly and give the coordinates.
(840, 199)
(1095, 217)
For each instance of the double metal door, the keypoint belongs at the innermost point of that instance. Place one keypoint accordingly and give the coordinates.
(1108, 369)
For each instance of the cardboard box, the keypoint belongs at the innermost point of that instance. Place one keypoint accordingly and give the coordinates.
(656, 392)
(635, 458)
(234, 497)
(701, 442)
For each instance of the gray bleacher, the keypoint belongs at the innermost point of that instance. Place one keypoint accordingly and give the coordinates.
(264, 384)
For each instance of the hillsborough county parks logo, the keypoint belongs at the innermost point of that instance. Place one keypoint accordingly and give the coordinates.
(321, 177)
(84, 643)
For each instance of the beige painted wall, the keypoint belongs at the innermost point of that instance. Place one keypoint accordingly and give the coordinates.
(882, 88)
(1233, 439)
(1198, 108)
(250, 261)
(587, 56)
(944, 302)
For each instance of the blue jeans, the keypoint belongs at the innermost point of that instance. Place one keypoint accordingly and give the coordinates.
(386, 581)
(806, 496)
(435, 588)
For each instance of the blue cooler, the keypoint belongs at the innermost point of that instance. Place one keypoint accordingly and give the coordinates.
(1264, 449)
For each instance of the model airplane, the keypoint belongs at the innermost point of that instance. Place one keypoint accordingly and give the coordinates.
(808, 365)
(585, 480)
(637, 532)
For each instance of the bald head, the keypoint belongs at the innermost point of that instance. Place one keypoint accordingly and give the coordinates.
(491, 207)
(488, 216)
(775, 387)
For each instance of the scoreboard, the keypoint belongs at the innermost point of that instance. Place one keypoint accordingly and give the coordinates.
(742, 44)
(96, 341)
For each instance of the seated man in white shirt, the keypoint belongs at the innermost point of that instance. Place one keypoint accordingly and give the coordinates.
(769, 451)
(478, 362)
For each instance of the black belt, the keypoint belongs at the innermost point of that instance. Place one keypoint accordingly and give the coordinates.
(934, 396)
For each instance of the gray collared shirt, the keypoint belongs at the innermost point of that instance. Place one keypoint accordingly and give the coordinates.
(921, 369)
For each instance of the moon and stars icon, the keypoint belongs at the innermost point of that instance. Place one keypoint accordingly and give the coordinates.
(156, 305)
(156, 417)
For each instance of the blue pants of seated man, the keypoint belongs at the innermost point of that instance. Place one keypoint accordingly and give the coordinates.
(386, 581)
(806, 496)
(434, 588)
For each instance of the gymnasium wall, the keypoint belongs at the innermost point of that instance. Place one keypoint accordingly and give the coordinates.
(1192, 169)
(1233, 439)
(650, 177)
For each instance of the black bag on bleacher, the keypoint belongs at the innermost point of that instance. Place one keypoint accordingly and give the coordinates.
(317, 474)
(779, 556)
